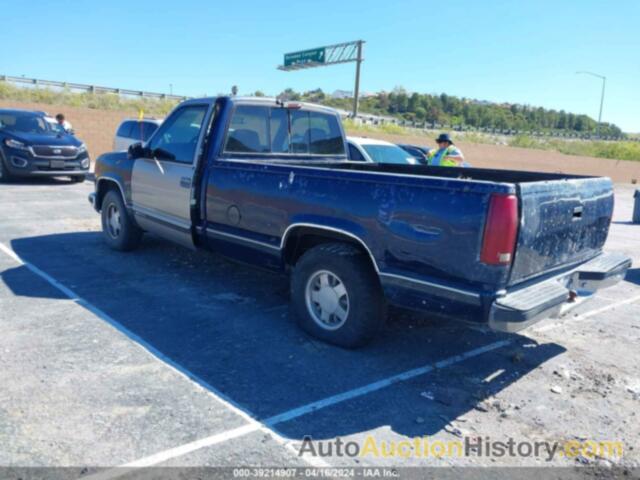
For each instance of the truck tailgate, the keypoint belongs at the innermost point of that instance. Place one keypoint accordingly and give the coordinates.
(563, 222)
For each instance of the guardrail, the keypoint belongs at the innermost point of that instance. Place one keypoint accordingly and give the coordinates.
(36, 82)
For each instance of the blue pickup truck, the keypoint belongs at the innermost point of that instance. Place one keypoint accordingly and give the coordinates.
(269, 183)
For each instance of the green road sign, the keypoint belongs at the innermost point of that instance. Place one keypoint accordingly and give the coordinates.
(315, 55)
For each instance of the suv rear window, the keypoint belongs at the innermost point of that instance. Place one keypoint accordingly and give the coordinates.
(147, 130)
(125, 129)
(137, 130)
(258, 129)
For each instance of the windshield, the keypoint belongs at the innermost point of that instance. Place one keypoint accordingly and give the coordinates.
(388, 154)
(24, 122)
(54, 126)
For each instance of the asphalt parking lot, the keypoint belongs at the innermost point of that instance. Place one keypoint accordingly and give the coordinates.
(167, 357)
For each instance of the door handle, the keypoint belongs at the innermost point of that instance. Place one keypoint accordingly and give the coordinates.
(185, 182)
(577, 213)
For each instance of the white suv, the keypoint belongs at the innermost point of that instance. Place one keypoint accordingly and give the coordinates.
(133, 130)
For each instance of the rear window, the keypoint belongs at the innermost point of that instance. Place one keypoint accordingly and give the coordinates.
(315, 133)
(325, 136)
(279, 126)
(248, 131)
(257, 129)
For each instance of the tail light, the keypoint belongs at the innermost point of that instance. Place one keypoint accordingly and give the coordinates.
(500, 230)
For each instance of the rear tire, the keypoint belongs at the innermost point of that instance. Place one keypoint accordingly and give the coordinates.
(336, 295)
(118, 228)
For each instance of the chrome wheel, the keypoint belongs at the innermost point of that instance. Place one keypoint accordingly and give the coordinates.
(114, 225)
(327, 300)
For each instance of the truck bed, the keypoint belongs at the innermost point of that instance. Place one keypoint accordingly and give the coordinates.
(479, 174)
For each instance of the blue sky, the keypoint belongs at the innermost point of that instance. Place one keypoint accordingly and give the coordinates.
(515, 51)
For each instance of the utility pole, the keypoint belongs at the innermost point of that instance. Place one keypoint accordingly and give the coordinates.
(356, 90)
(604, 82)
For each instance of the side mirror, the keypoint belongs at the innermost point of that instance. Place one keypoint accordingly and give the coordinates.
(162, 154)
(136, 150)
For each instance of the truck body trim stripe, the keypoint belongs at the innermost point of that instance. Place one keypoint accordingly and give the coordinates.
(242, 239)
(283, 240)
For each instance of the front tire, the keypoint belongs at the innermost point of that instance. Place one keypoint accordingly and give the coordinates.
(336, 295)
(118, 229)
(78, 178)
(5, 176)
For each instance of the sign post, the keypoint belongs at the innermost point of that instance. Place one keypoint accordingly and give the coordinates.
(325, 56)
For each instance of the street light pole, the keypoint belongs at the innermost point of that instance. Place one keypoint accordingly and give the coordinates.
(356, 92)
(604, 82)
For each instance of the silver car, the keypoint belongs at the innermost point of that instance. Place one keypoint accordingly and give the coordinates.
(132, 130)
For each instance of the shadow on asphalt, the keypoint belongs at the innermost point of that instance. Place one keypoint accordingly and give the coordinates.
(31, 181)
(228, 324)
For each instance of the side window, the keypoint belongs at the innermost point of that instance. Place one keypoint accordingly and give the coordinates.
(354, 154)
(325, 137)
(178, 135)
(248, 130)
(125, 130)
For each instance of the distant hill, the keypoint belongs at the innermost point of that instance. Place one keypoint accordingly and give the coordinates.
(449, 110)
(442, 109)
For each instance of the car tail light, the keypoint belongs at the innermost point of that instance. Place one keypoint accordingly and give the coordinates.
(500, 230)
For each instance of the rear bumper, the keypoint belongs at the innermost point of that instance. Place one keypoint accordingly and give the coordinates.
(521, 307)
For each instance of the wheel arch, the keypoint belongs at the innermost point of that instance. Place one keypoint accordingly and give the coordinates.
(300, 237)
(104, 185)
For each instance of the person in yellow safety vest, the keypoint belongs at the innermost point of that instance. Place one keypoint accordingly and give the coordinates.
(447, 154)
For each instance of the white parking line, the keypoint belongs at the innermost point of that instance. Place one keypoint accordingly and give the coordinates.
(253, 425)
(380, 384)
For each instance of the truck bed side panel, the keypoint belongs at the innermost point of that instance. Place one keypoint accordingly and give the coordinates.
(419, 227)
